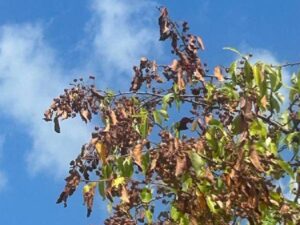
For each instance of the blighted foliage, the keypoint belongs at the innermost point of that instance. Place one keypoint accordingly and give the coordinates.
(224, 160)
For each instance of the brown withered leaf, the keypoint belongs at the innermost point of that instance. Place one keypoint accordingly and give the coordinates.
(56, 124)
(209, 175)
(198, 75)
(180, 81)
(181, 164)
(48, 115)
(124, 195)
(174, 65)
(183, 123)
(113, 117)
(96, 93)
(123, 112)
(218, 73)
(255, 160)
(137, 80)
(85, 115)
(143, 62)
(163, 22)
(101, 151)
(64, 115)
(200, 43)
(137, 154)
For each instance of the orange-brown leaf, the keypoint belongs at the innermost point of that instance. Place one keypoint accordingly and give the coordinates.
(137, 154)
(264, 101)
(85, 115)
(180, 81)
(218, 73)
(124, 195)
(255, 160)
(181, 164)
(174, 65)
(113, 117)
(101, 151)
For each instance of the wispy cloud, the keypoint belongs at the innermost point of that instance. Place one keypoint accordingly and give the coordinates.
(121, 33)
(31, 75)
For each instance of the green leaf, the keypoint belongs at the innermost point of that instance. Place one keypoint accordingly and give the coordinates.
(274, 104)
(143, 126)
(101, 189)
(184, 220)
(145, 162)
(118, 181)
(286, 167)
(211, 204)
(236, 125)
(275, 78)
(175, 214)
(197, 162)
(146, 195)
(257, 127)
(127, 167)
(166, 99)
(164, 113)
(106, 171)
(149, 216)
(232, 71)
(248, 72)
(156, 116)
(233, 50)
(186, 183)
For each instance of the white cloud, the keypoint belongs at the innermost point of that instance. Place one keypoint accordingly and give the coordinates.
(30, 74)
(122, 33)
(29, 77)
(266, 56)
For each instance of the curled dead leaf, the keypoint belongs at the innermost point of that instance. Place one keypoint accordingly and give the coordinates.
(85, 115)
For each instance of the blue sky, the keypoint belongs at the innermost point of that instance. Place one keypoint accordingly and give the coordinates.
(44, 44)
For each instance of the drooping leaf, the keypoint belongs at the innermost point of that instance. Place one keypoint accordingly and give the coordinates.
(56, 124)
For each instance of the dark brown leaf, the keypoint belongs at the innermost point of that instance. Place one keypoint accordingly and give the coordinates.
(56, 124)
